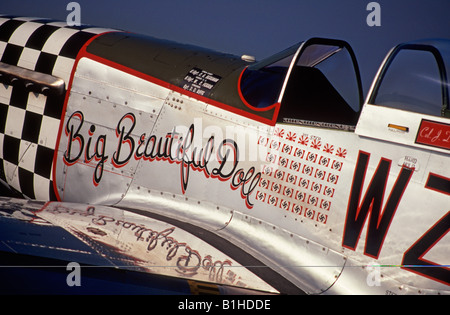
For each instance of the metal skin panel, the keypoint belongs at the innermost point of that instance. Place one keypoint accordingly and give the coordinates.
(90, 144)
(201, 140)
(398, 126)
(173, 62)
(307, 264)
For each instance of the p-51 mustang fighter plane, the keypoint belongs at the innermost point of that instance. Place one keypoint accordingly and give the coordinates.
(165, 168)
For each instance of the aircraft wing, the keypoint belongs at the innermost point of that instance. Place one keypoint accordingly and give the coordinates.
(45, 247)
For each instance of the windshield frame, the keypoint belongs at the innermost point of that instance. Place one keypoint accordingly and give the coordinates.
(325, 42)
(296, 51)
(445, 110)
(291, 51)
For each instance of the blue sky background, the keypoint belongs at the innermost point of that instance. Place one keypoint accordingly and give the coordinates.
(260, 27)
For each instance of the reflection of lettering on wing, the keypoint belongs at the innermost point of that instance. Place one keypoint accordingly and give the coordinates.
(188, 262)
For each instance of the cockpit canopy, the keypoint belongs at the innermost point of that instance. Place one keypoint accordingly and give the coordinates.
(415, 78)
(314, 81)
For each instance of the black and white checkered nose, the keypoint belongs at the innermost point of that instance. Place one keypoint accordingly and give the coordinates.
(37, 57)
